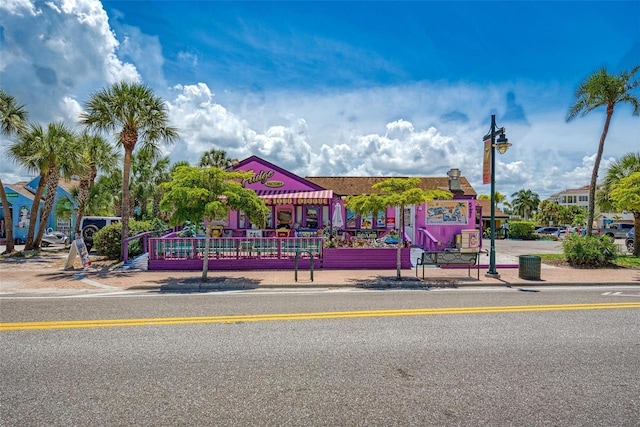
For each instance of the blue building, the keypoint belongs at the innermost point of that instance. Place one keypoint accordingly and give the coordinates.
(20, 197)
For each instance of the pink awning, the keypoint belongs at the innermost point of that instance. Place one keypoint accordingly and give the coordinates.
(274, 197)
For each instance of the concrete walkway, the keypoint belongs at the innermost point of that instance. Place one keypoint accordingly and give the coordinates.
(40, 275)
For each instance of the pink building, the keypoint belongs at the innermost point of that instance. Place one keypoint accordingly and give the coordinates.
(305, 212)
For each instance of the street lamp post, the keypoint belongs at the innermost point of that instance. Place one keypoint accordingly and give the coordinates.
(502, 144)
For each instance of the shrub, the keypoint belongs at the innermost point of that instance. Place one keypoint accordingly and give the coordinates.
(108, 239)
(522, 230)
(589, 251)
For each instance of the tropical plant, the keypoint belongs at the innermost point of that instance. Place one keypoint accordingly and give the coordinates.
(217, 158)
(625, 195)
(13, 117)
(548, 213)
(105, 196)
(498, 197)
(525, 202)
(573, 215)
(602, 89)
(106, 241)
(206, 194)
(522, 230)
(135, 113)
(589, 251)
(624, 167)
(147, 174)
(97, 155)
(394, 192)
(47, 152)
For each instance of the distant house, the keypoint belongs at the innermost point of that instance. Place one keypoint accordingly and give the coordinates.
(605, 218)
(573, 196)
(20, 197)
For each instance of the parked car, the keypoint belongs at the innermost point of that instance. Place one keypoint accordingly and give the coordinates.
(628, 242)
(615, 230)
(548, 230)
(90, 225)
(55, 238)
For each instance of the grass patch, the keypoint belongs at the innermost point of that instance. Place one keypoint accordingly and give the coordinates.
(628, 261)
(551, 256)
(623, 260)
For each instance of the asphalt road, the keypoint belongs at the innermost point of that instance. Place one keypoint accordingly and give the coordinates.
(561, 357)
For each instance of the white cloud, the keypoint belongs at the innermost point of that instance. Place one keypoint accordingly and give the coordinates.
(55, 54)
(53, 50)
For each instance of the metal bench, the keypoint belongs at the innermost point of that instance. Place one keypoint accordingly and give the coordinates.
(448, 258)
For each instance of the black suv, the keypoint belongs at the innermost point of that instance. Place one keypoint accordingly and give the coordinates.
(628, 242)
(91, 224)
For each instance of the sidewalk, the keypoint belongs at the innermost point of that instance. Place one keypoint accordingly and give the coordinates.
(34, 275)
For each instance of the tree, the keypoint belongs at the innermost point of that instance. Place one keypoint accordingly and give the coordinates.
(215, 157)
(40, 151)
(499, 197)
(13, 117)
(105, 196)
(573, 215)
(625, 195)
(135, 113)
(602, 89)
(395, 192)
(623, 167)
(623, 198)
(525, 202)
(97, 155)
(65, 160)
(549, 211)
(196, 194)
(147, 174)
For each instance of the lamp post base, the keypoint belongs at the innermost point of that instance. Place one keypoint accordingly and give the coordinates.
(492, 275)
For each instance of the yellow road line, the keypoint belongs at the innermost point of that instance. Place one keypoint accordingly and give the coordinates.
(105, 323)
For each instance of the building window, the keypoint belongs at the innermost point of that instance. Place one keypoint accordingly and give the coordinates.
(311, 216)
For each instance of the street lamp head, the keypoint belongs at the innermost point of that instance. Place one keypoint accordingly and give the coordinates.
(502, 144)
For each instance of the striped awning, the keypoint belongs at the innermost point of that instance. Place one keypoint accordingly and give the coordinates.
(279, 197)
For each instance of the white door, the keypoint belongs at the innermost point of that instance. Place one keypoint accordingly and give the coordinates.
(409, 220)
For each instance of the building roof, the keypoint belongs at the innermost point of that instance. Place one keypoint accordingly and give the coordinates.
(20, 188)
(355, 185)
(486, 209)
(568, 191)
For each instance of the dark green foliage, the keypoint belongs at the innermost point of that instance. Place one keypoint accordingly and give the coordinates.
(522, 230)
(188, 230)
(107, 240)
(589, 251)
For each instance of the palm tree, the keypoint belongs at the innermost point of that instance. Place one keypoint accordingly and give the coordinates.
(147, 174)
(602, 89)
(66, 159)
(40, 151)
(135, 113)
(498, 197)
(97, 155)
(525, 202)
(215, 157)
(106, 195)
(12, 121)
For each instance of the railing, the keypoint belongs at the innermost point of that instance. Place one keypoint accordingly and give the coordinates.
(144, 237)
(427, 241)
(183, 248)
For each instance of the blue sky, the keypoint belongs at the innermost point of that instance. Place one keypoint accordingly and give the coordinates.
(341, 88)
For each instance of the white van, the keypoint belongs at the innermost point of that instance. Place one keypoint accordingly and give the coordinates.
(91, 224)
